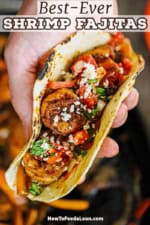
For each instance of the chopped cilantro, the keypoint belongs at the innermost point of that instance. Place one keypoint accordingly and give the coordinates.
(94, 111)
(101, 91)
(37, 148)
(91, 132)
(78, 151)
(91, 81)
(106, 93)
(83, 153)
(92, 114)
(88, 115)
(35, 189)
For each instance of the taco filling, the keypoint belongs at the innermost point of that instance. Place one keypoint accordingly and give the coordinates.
(71, 111)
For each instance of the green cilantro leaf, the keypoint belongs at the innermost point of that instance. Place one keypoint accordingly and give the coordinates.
(91, 114)
(78, 151)
(91, 132)
(35, 189)
(94, 111)
(37, 149)
(92, 81)
(88, 115)
(101, 91)
(83, 153)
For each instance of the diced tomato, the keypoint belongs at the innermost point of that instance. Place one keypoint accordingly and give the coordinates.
(82, 90)
(79, 64)
(54, 154)
(117, 39)
(59, 153)
(90, 101)
(127, 65)
(61, 84)
(88, 59)
(80, 137)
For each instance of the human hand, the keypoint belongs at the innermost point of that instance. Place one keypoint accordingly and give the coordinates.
(110, 148)
(22, 54)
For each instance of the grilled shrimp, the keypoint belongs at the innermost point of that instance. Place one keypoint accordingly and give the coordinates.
(61, 112)
(42, 172)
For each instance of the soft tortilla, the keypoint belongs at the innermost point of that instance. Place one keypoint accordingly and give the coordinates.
(58, 61)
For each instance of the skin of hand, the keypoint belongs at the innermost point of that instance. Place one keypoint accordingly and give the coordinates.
(22, 53)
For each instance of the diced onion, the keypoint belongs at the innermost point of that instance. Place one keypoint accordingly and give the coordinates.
(101, 104)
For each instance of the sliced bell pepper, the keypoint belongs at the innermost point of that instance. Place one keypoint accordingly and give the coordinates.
(60, 84)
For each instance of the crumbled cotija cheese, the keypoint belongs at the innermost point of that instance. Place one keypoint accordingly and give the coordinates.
(121, 70)
(77, 103)
(65, 116)
(89, 72)
(58, 142)
(52, 139)
(71, 139)
(83, 81)
(87, 90)
(106, 83)
(86, 126)
(56, 119)
(101, 104)
(93, 125)
(45, 146)
(64, 109)
(72, 108)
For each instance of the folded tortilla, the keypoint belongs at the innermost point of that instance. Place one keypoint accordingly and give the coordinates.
(58, 61)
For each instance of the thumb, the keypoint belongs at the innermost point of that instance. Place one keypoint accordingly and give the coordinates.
(21, 85)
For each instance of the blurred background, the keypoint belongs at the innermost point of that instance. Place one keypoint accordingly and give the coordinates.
(117, 189)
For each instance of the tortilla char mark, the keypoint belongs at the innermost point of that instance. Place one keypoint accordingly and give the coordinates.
(61, 112)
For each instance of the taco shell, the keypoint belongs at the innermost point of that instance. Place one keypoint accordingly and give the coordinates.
(58, 61)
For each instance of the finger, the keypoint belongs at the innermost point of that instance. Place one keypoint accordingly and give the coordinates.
(132, 99)
(21, 84)
(23, 104)
(22, 99)
(121, 116)
(109, 148)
